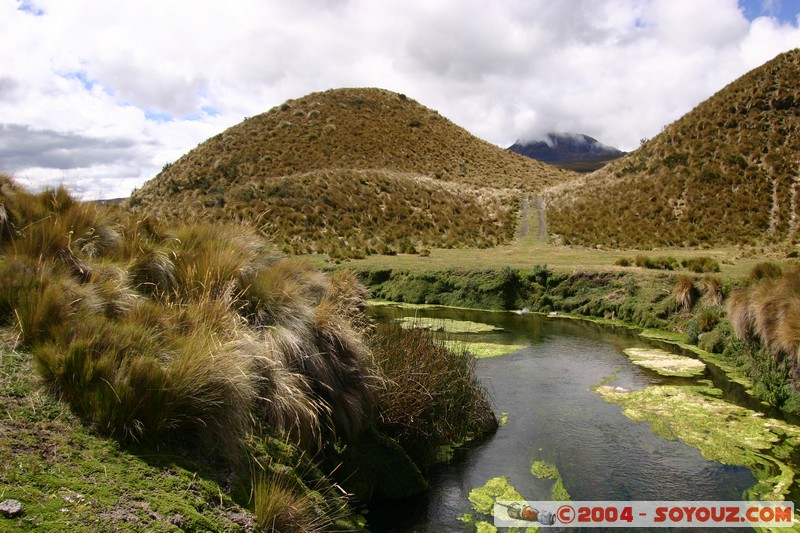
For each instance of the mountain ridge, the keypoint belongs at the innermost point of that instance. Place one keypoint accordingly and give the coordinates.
(560, 147)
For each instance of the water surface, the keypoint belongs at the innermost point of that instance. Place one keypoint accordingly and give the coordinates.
(554, 416)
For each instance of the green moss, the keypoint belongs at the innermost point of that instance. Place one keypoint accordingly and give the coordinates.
(665, 363)
(658, 334)
(503, 419)
(402, 305)
(610, 379)
(722, 431)
(68, 478)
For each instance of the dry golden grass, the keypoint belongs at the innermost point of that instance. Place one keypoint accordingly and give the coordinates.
(711, 288)
(684, 292)
(351, 172)
(725, 173)
(768, 309)
(191, 333)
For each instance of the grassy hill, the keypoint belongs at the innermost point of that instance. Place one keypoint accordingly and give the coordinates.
(349, 171)
(725, 173)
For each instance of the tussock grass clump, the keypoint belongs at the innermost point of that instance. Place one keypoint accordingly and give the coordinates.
(288, 495)
(432, 397)
(684, 292)
(200, 338)
(768, 311)
(121, 378)
(196, 333)
(711, 289)
(210, 260)
(765, 270)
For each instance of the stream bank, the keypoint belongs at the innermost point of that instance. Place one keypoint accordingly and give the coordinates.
(622, 298)
(550, 393)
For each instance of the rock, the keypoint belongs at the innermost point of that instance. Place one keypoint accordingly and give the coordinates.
(10, 508)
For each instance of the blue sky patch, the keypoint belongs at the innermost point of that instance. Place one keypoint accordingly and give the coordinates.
(87, 83)
(29, 7)
(783, 10)
(155, 116)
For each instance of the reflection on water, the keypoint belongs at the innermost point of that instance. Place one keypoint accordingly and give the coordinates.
(554, 416)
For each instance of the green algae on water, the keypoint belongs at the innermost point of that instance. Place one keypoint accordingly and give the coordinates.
(483, 500)
(544, 470)
(722, 431)
(503, 420)
(732, 372)
(665, 363)
(497, 488)
(483, 350)
(446, 325)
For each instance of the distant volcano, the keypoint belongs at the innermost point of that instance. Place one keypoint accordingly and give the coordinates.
(568, 150)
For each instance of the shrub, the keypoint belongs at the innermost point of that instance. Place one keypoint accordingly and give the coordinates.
(707, 320)
(432, 395)
(656, 263)
(701, 265)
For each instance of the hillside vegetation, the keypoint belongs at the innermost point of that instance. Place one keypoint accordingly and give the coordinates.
(199, 340)
(315, 172)
(725, 173)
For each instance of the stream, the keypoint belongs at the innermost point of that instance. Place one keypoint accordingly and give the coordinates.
(554, 416)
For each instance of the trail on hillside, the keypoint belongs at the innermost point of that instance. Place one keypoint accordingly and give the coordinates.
(526, 208)
(540, 206)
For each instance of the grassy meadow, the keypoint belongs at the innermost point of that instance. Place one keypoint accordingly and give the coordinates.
(529, 251)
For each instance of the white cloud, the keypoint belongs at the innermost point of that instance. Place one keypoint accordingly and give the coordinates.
(128, 86)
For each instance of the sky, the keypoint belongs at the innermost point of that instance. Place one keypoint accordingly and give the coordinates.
(99, 95)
